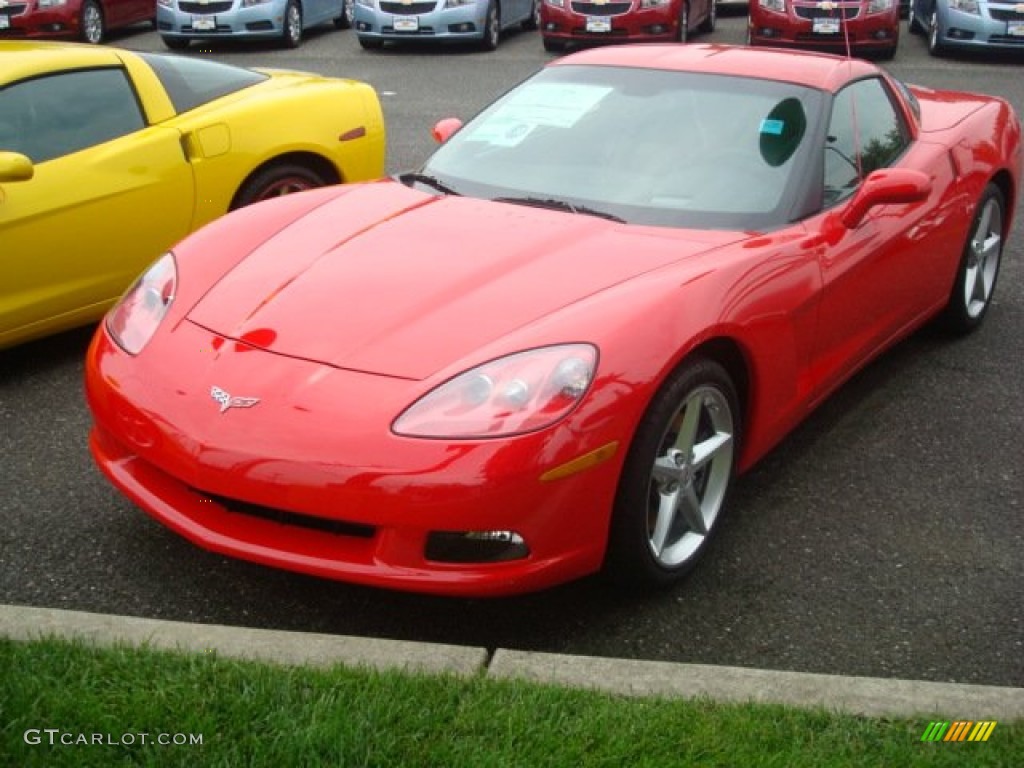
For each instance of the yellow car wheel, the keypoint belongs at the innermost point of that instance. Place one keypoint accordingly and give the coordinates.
(278, 180)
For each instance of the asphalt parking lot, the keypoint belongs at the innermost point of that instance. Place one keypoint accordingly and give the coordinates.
(883, 538)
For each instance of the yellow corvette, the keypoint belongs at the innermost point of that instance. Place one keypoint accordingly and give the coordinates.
(109, 157)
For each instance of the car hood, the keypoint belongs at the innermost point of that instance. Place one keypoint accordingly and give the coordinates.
(388, 280)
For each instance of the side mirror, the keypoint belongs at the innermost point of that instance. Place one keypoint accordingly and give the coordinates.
(886, 186)
(15, 167)
(443, 129)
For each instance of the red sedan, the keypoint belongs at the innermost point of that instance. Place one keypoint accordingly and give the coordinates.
(867, 27)
(588, 21)
(550, 349)
(87, 20)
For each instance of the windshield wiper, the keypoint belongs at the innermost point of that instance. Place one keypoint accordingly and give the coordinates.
(559, 205)
(427, 180)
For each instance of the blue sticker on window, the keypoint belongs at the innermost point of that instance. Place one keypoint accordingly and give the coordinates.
(774, 127)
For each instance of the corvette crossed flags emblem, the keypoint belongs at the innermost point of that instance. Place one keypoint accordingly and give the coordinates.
(227, 401)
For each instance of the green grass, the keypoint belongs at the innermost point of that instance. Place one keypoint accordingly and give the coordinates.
(252, 714)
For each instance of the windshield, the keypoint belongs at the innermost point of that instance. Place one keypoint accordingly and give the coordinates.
(646, 146)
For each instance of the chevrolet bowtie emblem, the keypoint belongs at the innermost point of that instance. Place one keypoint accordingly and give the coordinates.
(227, 401)
(827, 6)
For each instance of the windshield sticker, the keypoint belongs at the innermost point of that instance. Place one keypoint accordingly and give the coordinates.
(559, 105)
(772, 127)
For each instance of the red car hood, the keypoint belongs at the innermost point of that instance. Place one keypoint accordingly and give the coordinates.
(387, 280)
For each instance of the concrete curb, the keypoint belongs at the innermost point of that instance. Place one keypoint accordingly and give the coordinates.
(873, 697)
(299, 648)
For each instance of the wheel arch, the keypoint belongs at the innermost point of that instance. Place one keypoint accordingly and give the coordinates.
(1004, 181)
(728, 353)
(311, 160)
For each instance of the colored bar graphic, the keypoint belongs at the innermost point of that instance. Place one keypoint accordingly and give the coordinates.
(959, 730)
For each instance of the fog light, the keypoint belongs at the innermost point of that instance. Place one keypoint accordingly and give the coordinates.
(475, 546)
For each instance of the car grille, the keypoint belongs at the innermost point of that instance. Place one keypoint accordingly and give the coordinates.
(1005, 14)
(285, 517)
(606, 9)
(1006, 40)
(407, 10)
(205, 8)
(846, 12)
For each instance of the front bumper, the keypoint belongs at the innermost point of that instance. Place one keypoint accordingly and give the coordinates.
(463, 23)
(312, 480)
(999, 27)
(609, 22)
(264, 20)
(19, 23)
(807, 26)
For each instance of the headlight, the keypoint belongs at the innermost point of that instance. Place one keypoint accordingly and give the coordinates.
(366, 3)
(653, 3)
(52, 3)
(512, 395)
(773, 5)
(165, 3)
(457, 3)
(877, 6)
(135, 318)
(556, 3)
(965, 6)
(251, 3)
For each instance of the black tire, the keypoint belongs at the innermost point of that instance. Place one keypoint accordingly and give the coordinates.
(664, 497)
(683, 33)
(347, 11)
(492, 27)
(935, 46)
(978, 271)
(291, 34)
(708, 25)
(913, 25)
(371, 43)
(176, 43)
(277, 180)
(533, 21)
(91, 24)
(553, 46)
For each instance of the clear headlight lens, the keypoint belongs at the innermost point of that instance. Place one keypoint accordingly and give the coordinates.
(251, 3)
(165, 3)
(773, 5)
(965, 6)
(135, 318)
(52, 3)
(653, 3)
(457, 3)
(877, 6)
(556, 3)
(365, 3)
(512, 395)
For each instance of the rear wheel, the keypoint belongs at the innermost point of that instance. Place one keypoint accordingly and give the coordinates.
(533, 22)
(979, 265)
(676, 477)
(913, 25)
(276, 181)
(553, 46)
(90, 20)
(371, 43)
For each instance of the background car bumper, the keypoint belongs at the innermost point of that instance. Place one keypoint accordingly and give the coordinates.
(258, 21)
(869, 33)
(41, 24)
(651, 25)
(450, 24)
(967, 31)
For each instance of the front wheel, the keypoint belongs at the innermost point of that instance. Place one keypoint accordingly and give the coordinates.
(492, 27)
(708, 25)
(683, 33)
(91, 23)
(176, 43)
(979, 265)
(935, 46)
(277, 181)
(347, 15)
(676, 477)
(291, 35)
(553, 46)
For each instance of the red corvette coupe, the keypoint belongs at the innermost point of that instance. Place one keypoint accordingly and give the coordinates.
(550, 349)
